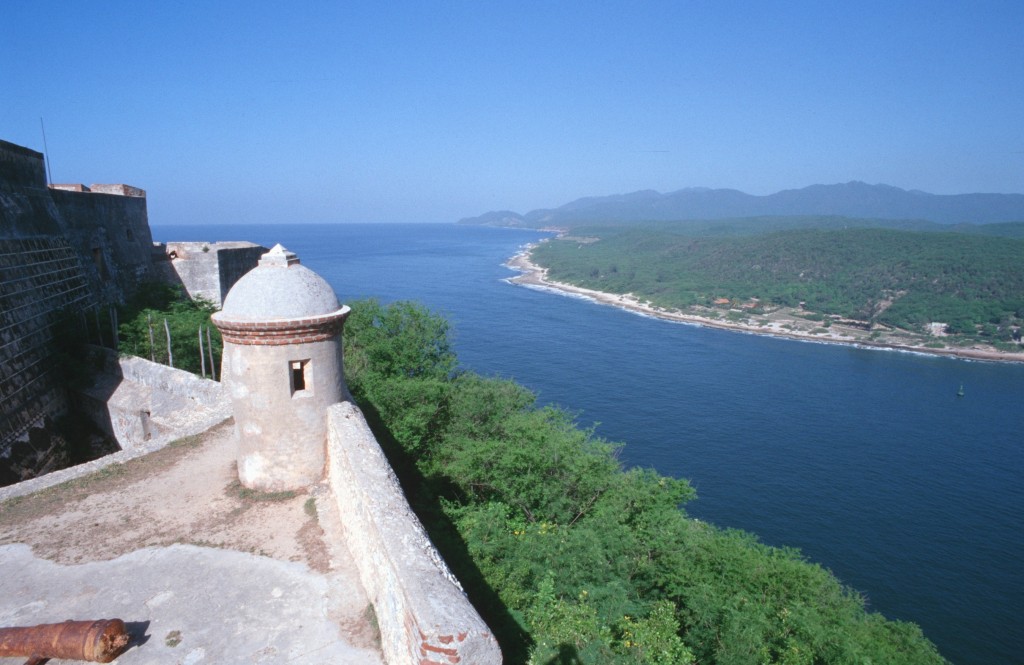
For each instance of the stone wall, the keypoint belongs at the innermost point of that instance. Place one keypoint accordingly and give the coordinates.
(109, 231)
(21, 167)
(111, 234)
(26, 208)
(207, 270)
(65, 257)
(39, 277)
(138, 402)
(422, 611)
(185, 405)
(234, 259)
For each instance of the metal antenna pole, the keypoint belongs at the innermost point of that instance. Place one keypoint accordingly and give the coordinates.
(46, 151)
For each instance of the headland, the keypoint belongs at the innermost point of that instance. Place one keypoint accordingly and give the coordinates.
(782, 322)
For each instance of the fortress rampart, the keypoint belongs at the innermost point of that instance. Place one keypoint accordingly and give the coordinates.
(39, 277)
(65, 255)
(422, 611)
(69, 252)
(205, 270)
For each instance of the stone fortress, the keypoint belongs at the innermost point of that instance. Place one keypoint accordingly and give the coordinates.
(83, 249)
(68, 254)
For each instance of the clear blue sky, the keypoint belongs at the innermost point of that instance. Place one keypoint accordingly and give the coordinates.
(271, 112)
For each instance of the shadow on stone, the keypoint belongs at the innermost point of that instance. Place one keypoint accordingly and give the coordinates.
(137, 632)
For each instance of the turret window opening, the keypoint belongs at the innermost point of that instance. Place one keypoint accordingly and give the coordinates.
(300, 378)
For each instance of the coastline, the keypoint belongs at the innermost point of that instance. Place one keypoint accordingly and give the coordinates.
(533, 276)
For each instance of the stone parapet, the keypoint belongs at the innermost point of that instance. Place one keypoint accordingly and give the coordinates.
(206, 270)
(204, 392)
(181, 404)
(118, 189)
(422, 611)
(136, 401)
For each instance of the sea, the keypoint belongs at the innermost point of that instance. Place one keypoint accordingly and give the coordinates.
(866, 460)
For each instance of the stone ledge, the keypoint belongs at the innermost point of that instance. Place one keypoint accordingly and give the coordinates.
(422, 611)
(280, 332)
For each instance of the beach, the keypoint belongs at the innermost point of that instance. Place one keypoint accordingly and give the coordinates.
(783, 322)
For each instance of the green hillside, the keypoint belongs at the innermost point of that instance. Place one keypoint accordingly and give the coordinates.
(573, 559)
(904, 279)
(570, 557)
(742, 226)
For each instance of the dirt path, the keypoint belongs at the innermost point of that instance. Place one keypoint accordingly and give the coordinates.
(186, 493)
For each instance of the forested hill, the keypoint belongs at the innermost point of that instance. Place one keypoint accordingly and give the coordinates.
(767, 224)
(852, 199)
(899, 278)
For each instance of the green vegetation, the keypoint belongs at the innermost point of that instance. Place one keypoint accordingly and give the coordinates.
(571, 558)
(239, 491)
(142, 330)
(902, 279)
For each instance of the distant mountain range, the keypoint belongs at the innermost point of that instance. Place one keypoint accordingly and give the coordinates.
(852, 199)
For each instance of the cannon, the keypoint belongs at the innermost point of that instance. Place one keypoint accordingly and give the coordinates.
(98, 641)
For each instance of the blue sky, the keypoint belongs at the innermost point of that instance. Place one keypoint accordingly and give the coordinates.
(268, 112)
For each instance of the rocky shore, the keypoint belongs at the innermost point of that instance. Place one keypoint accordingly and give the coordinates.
(784, 322)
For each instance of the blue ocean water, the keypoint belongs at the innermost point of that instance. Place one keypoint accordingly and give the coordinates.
(865, 460)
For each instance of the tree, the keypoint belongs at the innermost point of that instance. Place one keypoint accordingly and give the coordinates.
(143, 333)
(597, 563)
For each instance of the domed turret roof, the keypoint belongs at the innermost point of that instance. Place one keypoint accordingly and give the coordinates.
(279, 288)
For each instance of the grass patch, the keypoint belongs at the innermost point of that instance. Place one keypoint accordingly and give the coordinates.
(310, 507)
(239, 491)
(370, 616)
(186, 442)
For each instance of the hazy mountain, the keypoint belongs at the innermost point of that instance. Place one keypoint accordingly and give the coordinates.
(853, 199)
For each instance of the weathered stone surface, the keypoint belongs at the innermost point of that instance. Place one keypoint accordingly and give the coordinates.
(74, 251)
(206, 270)
(180, 404)
(423, 613)
(282, 365)
(136, 401)
(192, 604)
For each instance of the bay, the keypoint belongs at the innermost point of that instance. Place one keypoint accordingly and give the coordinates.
(866, 460)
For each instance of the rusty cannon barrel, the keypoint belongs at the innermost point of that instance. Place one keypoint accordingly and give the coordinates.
(94, 641)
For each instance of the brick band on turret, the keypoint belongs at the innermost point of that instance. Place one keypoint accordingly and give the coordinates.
(282, 331)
